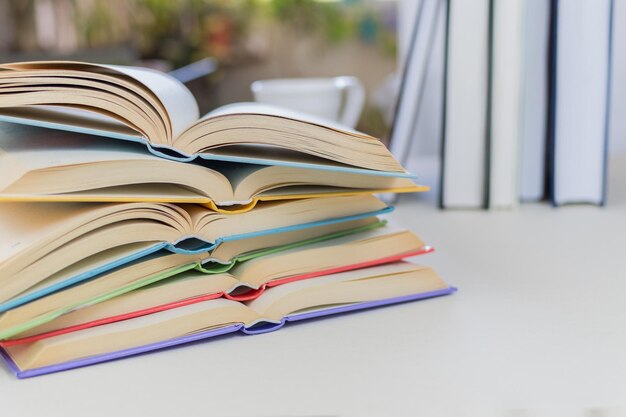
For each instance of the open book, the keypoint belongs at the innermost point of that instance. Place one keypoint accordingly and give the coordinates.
(131, 291)
(147, 106)
(322, 296)
(46, 165)
(45, 247)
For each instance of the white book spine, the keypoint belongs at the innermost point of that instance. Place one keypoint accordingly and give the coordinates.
(506, 99)
(465, 114)
(535, 93)
(582, 88)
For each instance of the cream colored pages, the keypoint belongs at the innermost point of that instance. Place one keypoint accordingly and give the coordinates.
(58, 258)
(186, 285)
(81, 294)
(377, 283)
(90, 263)
(76, 163)
(259, 134)
(345, 251)
(269, 110)
(180, 104)
(12, 168)
(272, 295)
(284, 180)
(31, 147)
(76, 119)
(308, 258)
(226, 251)
(31, 227)
(42, 162)
(173, 97)
(136, 332)
(23, 225)
(356, 286)
(212, 225)
(29, 233)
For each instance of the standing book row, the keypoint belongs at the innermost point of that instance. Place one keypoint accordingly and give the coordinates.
(128, 223)
(526, 99)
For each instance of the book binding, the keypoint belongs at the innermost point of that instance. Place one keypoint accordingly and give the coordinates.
(177, 247)
(257, 329)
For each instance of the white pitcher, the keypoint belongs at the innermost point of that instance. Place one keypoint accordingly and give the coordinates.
(339, 98)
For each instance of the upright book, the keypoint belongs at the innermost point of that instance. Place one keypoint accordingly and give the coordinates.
(413, 80)
(535, 99)
(505, 121)
(466, 105)
(582, 76)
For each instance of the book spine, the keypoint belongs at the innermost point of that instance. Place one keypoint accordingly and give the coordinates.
(444, 104)
(607, 120)
(262, 327)
(551, 143)
(489, 92)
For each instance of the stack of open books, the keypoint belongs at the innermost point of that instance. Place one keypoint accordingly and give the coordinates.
(242, 220)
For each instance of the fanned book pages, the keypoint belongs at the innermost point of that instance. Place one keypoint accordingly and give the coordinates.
(174, 281)
(300, 300)
(147, 106)
(39, 164)
(46, 247)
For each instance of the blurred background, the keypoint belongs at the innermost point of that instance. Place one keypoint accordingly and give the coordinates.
(249, 39)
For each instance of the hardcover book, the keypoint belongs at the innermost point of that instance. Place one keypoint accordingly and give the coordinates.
(150, 107)
(39, 164)
(168, 282)
(295, 301)
(47, 247)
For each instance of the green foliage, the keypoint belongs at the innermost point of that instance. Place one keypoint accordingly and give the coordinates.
(181, 31)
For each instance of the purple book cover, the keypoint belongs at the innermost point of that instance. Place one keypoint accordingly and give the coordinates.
(257, 329)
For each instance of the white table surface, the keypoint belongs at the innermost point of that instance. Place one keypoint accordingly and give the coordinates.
(537, 328)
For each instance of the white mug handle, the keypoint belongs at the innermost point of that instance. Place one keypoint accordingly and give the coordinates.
(355, 98)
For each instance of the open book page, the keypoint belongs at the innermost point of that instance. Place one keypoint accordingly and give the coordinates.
(42, 161)
(370, 284)
(211, 225)
(32, 233)
(89, 264)
(126, 334)
(274, 294)
(23, 226)
(191, 284)
(270, 110)
(344, 251)
(12, 168)
(179, 288)
(32, 147)
(180, 104)
(253, 246)
(376, 283)
(251, 180)
(224, 133)
(92, 291)
(174, 103)
(71, 119)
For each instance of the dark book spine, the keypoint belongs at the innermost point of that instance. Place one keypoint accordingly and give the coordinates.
(552, 81)
(609, 83)
(488, 139)
(442, 170)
